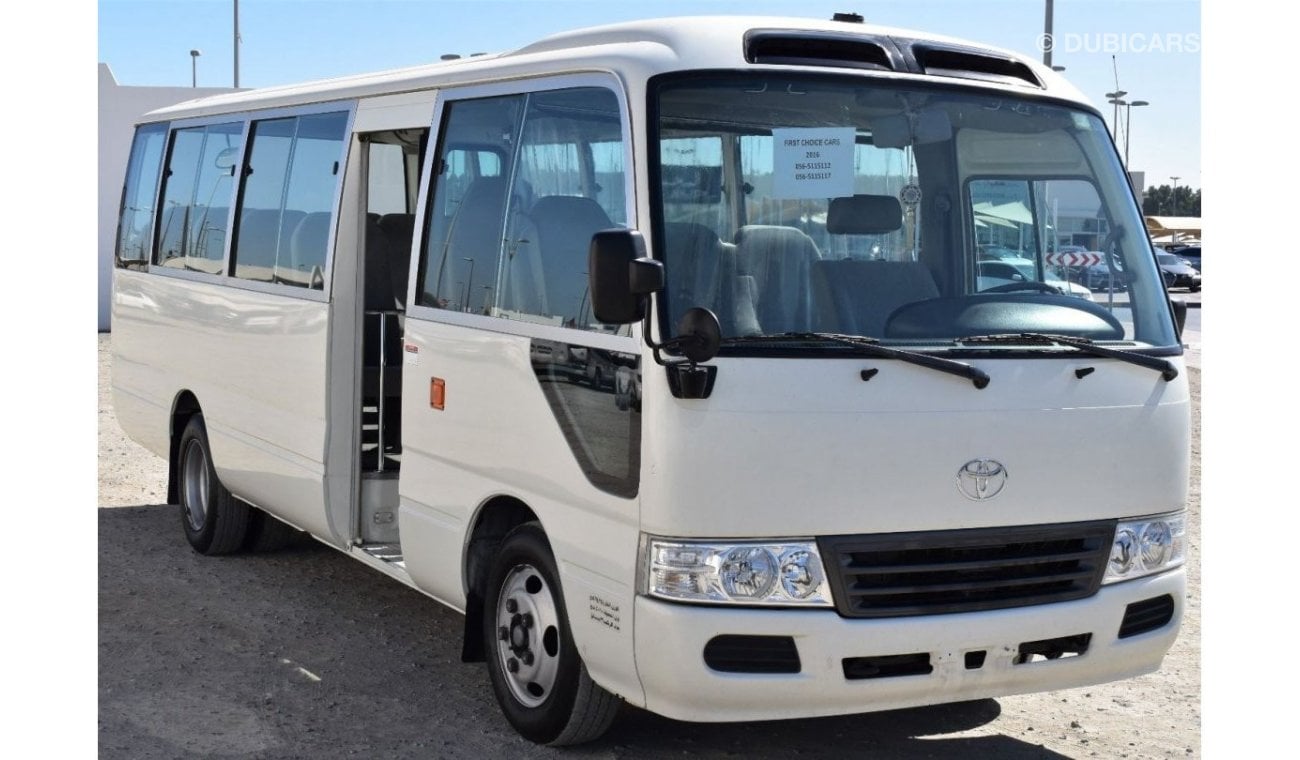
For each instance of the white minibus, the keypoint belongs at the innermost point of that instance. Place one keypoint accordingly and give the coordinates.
(661, 351)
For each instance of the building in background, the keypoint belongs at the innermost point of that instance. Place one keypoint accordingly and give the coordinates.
(119, 109)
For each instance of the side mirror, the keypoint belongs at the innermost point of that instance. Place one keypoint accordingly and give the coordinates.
(621, 276)
(1180, 314)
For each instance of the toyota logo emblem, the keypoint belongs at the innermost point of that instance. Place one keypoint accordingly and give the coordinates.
(981, 479)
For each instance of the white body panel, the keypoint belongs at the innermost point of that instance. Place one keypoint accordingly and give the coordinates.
(683, 688)
(497, 437)
(845, 456)
(256, 364)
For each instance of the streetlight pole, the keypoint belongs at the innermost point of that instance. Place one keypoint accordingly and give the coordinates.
(1114, 99)
(1047, 36)
(236, 44)
(194, 67)
(1174, 196)
(1128, 124)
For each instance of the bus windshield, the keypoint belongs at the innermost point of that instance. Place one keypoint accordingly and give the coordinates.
(789, 203)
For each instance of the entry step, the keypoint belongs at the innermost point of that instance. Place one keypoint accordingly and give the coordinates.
(390, 553)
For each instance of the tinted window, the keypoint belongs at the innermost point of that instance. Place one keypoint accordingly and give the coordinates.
(196, 197)
(290, 182)
(525, 181)
(139, 195)
(467, 216)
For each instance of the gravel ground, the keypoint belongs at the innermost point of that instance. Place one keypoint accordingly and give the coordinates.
(306, 653)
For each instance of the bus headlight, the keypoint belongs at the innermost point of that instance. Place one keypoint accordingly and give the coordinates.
(751, 573)
(1146, 546)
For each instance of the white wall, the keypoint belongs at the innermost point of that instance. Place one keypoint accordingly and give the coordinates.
(119, 108)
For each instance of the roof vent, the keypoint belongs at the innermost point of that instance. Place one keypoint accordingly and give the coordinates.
(973, 64)
(817, 49)
(852, 18)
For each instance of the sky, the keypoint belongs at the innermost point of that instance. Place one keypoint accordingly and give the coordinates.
(1153, 45)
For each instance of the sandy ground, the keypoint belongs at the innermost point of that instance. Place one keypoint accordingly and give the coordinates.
(307, 654)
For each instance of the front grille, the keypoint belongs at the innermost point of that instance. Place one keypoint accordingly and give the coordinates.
(938, 572)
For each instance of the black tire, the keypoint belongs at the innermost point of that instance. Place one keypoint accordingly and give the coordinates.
(267, 534)
(214, 521)
(548, 698)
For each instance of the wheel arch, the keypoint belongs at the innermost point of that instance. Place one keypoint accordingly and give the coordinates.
(491, 522)
(184, 406)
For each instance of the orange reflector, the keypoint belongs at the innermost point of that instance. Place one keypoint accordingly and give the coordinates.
(437, 392)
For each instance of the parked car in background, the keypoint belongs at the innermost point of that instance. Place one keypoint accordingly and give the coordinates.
(627, 388)
(992, 252)
(992, 274)
(1178, 273)
(1104, 277)
(1191, 254)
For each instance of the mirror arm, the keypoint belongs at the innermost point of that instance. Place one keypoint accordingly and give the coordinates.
(647, 323)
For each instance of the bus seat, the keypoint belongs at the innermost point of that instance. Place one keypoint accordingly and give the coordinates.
(701, 271)
(378, 285)
(857, 297)
(564, 227)
(864, 215)
(523, 287)
(779, 260)
(398, 229)
(692, 256)
(474, 233)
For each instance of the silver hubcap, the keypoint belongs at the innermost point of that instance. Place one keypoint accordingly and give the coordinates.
(194, 494)
(528, 635)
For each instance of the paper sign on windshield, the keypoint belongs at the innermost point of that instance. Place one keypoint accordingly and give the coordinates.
(813, 163)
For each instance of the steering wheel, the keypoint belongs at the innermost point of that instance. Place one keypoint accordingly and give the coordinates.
(1012, 287)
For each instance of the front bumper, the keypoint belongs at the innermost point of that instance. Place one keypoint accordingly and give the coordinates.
(670, 640)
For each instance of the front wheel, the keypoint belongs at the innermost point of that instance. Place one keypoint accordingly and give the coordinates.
(537, 676)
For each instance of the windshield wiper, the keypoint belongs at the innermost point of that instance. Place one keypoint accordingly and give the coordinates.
(1166, 368)
(871, 347)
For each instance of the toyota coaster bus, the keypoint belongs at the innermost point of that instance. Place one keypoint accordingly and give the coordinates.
(661, 352)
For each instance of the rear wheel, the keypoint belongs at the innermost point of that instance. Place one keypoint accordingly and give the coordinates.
(267, 534)
(214, 521)
(537, 676)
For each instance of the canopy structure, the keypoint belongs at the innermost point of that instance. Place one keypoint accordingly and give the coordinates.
(1003, 214)
(1173, 238)
(1174, 229)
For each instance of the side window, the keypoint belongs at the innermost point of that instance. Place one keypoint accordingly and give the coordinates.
(466, 221)
(569, 183)
(1045, 230)
(286, 213)
(135, 219)
(523, 183)
(196, 197)
(691, 169)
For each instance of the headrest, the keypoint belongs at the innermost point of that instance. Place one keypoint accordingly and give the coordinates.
(864, 215)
